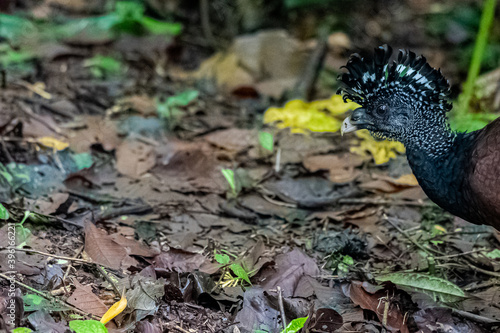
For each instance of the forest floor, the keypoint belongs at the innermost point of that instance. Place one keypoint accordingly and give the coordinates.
(154, 181)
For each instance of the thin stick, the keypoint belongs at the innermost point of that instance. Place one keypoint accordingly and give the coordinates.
(476, 318)
(370, 201)
(282, 307)
(404, 233)
(48, 297)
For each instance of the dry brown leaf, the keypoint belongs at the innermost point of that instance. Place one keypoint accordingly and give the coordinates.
(95, 130)
(49, 205)
(142, 104)
(380, 186)
(341, 168)
(395, 319)
(233, 139)
(132, 246)
(134, 158)
(179, 260)
(84, 299)
(101, 248)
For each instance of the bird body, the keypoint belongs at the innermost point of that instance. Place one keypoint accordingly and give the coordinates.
(407, 101)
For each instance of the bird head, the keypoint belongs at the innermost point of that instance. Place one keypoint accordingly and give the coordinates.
(395, 97)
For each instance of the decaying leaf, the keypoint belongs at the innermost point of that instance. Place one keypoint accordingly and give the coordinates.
(381, 151)
(316, 116)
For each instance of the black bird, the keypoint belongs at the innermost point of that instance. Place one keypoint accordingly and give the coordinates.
(407, 100)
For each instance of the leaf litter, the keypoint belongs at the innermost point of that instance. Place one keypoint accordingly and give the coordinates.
(123, 175)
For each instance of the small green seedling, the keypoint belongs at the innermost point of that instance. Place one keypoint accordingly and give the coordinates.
(4, 213)
(103, 66)
(21, 330)
(266, 141)
(231, 180)
(343, 265)
(241, 274)
(436, 231)
(171, 108)
(295, 325)
(23, 233)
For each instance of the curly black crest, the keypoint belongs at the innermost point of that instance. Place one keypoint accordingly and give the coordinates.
(410, 75)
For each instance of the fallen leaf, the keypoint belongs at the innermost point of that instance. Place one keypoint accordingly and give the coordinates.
(84, 299)
(53, 143)
(114, 310)
(101, 248)
(316, 116)
(134, 158)
(340, 167)
(233, 139)
(371, 301)
(381, 151)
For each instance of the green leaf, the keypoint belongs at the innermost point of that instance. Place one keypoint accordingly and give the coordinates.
(21, 330)
(183, 98)
(104, 66)
(240, 272)
(87, 326)
(34, 302)
(436, 288)
(4, 213)
(12, 57)
(229, 175)
(14, 27)
(347, 260)
(22, 234)
(295, 325)
(495, 254)
(161, 28)
(83, 160)
(129, 11)
(32, 299)
(222, 259)
(266, 140)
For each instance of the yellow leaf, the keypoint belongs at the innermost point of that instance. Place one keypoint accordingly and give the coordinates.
(114, 310)
(316, 116)
(50, 142)
(381, 151)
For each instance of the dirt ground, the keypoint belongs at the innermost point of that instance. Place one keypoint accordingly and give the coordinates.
(156, 179)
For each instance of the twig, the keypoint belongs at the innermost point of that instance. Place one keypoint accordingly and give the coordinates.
(484, 271)
(278, 161)
(109, 279)
(205, 22)
(279, 203)
(82, 261)
(474, 317)
(370, 201)
(482, 285)
(305, 86)
(282, 307)
(426, 250)
(49, 107)
(459, 254)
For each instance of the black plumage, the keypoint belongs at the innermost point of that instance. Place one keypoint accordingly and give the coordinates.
(407, 100)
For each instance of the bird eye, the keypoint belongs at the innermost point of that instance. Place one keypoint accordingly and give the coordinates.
(381, 110)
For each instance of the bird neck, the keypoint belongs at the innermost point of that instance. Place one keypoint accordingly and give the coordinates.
(432, 138)
(440, 163)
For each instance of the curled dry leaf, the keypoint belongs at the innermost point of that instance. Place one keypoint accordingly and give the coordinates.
(340, 167)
